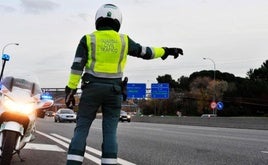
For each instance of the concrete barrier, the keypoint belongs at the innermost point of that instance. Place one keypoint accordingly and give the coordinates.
(228, 122)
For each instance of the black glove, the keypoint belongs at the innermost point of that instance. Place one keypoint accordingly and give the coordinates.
(124, 88)
(69, 98)
(172, 52)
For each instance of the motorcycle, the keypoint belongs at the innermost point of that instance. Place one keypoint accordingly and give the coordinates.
(21, 102)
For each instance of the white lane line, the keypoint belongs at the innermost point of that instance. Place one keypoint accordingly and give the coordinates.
(265, 152)
(93, 150)
(90, 157)
(97, 152)
(44, 147)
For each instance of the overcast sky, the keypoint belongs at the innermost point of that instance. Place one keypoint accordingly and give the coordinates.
(234, 33)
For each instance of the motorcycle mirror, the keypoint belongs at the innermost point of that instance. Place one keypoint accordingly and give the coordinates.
(46, 100)
(46, 104)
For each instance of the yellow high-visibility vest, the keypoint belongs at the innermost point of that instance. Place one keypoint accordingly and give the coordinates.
(107, 54)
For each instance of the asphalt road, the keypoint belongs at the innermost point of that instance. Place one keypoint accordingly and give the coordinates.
(152, 144)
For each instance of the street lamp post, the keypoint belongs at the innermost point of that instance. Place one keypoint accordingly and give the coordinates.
(4, 58)
(214, 68)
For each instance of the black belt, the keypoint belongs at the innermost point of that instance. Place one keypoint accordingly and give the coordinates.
(88, 78)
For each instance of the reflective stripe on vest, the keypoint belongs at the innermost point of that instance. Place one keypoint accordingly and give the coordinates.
(107, 54)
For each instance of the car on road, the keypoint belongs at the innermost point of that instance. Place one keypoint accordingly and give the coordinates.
(50, 113)
(124, 116)
(65, 114)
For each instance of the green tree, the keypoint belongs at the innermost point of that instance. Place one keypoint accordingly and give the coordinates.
(199, 90)
(259, 73)
(184, 83)
(192, 95)
(168, 79)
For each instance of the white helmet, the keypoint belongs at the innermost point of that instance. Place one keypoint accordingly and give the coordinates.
(109, 12)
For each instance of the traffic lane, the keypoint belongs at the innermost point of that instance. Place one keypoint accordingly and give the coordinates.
(47, 125)
(175, 144)
(47, 149)
(42, 151)
(61, 133)
(144, 143)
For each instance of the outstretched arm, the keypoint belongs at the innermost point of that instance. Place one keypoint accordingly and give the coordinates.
(145, 52)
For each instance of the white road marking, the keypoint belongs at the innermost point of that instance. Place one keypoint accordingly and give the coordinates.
(265, 152)
(57, 138)
(44, 147)
(97, 152)
(92, 158)
(93, 150)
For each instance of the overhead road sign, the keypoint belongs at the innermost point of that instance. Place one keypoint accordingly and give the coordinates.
(136, 90)
(160, 90)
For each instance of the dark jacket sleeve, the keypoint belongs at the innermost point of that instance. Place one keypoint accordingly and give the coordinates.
(81, 56)
(145, 52)
(79, 63)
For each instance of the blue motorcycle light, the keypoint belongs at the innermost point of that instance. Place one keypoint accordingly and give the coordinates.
(5, 57)
(46, 96)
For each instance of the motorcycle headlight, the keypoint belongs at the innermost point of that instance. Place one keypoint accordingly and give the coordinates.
(18, 107)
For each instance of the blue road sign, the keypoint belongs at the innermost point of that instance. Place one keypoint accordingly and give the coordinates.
(220, 105)
(160, 91)
(136, 90)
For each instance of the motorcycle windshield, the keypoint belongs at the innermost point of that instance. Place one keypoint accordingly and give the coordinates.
(21, 87)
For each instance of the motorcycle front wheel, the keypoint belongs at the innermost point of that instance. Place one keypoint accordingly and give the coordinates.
(8, 146)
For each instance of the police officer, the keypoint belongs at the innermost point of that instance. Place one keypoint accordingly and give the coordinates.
(100, 61)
